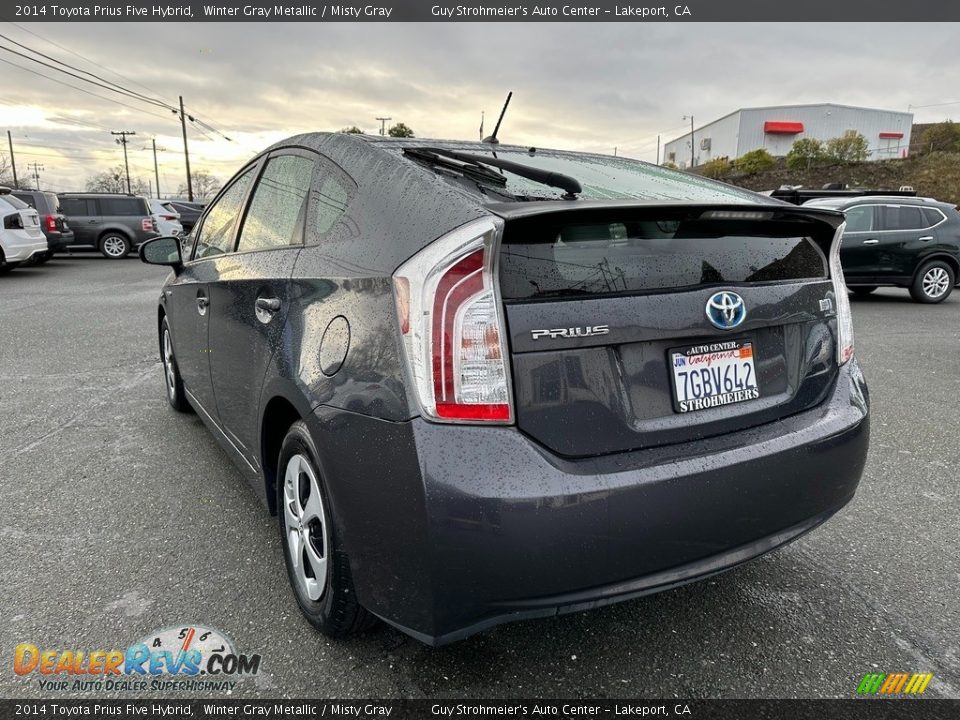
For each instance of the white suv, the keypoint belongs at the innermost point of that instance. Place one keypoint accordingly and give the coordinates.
(21, 238)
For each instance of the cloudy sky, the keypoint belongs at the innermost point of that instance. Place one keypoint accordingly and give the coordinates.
(577, 86)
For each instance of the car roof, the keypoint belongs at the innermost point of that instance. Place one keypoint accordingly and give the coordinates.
(841, 203)
(366, 158)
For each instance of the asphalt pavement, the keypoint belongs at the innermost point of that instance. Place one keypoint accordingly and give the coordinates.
(120, 517)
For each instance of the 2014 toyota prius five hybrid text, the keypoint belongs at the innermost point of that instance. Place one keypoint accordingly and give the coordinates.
(478, 383)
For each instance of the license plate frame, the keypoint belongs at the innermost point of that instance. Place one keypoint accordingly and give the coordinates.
(731, 358)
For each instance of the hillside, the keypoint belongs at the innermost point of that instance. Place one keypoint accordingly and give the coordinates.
(934, 175)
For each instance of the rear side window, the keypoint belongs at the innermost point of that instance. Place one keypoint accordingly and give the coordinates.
(859, 219)
(24, 197)
(932, 216)
(901, 217)
(649, 256)
(275, 217)
(77, 207)
(216, 234)
(122, 206)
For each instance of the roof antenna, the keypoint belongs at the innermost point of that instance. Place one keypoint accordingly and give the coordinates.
(493, 138)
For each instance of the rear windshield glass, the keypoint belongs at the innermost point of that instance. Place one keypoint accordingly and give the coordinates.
(15, 201)
(648, 256)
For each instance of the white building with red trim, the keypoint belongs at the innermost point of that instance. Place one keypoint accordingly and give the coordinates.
(777, 128)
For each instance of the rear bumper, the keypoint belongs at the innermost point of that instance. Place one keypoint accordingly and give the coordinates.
(452, 529)
(20, 247)
(58, 240)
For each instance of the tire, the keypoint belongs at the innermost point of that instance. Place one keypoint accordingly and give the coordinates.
(320, 577)
(933, 282)
(863, 289)
(171, 373)
(114, 246)
(5, 266)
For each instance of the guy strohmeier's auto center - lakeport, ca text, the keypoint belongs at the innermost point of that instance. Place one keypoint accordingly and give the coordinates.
(337, 12)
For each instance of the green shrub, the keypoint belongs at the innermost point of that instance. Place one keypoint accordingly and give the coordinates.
(942, 137)
(850, 148)
(718, 168)
(806, 153)
(755, 161)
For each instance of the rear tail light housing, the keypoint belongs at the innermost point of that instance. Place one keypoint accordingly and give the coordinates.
(13, 222)
(842, 298)
(51, 222)
(452, 325)
(149, 224)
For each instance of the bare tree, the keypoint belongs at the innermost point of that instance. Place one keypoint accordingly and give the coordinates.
(114, 180)
(6, 171)
(205, 185)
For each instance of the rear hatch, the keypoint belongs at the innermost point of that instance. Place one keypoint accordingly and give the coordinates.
(633, 326)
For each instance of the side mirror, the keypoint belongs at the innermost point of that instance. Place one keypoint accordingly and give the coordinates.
(162, 251)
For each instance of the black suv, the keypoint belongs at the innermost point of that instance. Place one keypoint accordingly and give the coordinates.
(52, 221)
(901, 242)
(114, 224)
(479, 383)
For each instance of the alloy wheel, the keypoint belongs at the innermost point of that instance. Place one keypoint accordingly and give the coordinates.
(114, 246)
(168, 365)
(936, 281)
(305, 522)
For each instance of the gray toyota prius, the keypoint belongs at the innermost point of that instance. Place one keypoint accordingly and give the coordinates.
(478, 382)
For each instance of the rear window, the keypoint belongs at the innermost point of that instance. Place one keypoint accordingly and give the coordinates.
(123, 206)
(77, 207)
(649, 256)
(25, 197)
(15, 201)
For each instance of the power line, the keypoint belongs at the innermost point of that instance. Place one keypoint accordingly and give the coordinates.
(103, 85)
(79, 89)
(85, 59)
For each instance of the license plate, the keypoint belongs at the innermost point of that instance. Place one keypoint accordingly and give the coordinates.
(713, 374)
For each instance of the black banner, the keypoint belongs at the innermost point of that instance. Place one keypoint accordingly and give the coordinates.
(855, 709)
(484, 11)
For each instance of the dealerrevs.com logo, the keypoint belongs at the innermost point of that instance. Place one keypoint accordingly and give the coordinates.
(894, 683)
(191, 658)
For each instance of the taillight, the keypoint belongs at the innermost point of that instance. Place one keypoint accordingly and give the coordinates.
(452, 325)
(51, 223)
(169, 217)
(13, 222)
(148, 224)
(844, 316)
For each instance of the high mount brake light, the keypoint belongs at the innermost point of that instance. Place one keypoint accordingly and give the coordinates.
(451, 320)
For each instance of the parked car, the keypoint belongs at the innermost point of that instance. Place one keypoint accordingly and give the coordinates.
(21, 239)
(189, 212)
(480, 387)
(166, 218)
(112, 223)
(900, 242)
(52, 221)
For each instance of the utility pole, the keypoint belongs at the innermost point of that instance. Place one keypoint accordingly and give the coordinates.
(658, 149)
(693, 151)
(13, 160)
(156, 168)
(123, 141)
(383, 124)
(186, 150)
(36, 167)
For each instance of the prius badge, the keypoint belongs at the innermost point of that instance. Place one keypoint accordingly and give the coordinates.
(572, 332)
(726, 310)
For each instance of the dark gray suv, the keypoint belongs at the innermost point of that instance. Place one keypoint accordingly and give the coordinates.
(481, 383)
(112, 223)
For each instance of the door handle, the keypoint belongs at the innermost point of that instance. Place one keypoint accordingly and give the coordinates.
(871, 242)
(926, 238)
(203, 302)
(270, 305)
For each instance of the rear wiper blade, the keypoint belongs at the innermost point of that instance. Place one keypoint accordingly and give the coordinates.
(545, 177)
(471, 169)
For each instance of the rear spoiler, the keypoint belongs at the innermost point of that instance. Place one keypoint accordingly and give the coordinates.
(586, 210)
